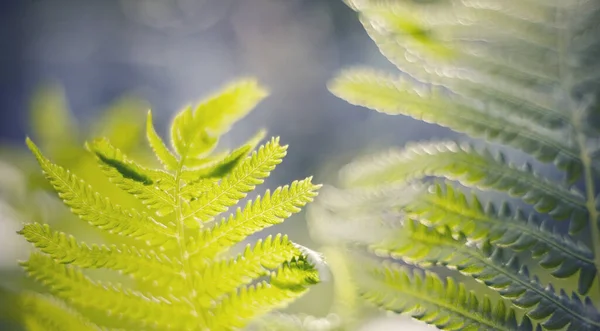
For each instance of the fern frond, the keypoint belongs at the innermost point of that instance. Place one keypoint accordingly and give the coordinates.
(195, 133)
(443, 303)
(227, 275)
(287, 284)
(431, 104)
(146, 185)
(162, 152)
(270, 210)
(234, 187)
(99, 211)
(456, 30)
(426, 247)
(134, 309)
(473, 168)
(43, 312)
(447, 206)
(147, 266)
(509, 72)
(220, 167)
(188, 282)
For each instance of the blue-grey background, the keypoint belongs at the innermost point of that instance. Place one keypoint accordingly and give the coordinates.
(173, 52)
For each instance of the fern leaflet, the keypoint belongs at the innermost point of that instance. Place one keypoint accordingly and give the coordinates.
(447, 305)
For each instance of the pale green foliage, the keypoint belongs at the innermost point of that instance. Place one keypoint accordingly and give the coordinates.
(61, 137)
(523, 75)
(42, 312)
(182, 276)
(445, 304)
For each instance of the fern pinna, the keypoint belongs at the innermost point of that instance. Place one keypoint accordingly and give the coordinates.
(522, 74)
(177, 248)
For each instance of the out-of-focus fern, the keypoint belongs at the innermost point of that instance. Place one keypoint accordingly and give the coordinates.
(522, 74)
(26, 196)
(187, 281)
(61, 137)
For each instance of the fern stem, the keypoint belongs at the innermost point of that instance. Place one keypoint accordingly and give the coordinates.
(187, 273)
(590, 196)
(577, 119)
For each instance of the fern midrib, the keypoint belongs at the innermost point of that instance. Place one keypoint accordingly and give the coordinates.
(420, 296)
(475, 254)
(590, 200)
(186, 271)
(509, 223)
(577, 122)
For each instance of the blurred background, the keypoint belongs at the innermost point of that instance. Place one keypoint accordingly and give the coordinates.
(165, 54)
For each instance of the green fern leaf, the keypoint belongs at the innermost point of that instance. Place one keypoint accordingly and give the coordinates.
(147, 266)
(446, 206)
(428, 247)
(493, 69)
(234, 187)
(186, 282)
(474, 169)
(270, 210)
(195, 132)
(135, 309)
(286, 284)
(47, 313)
(147, 186)
(398, 96)
(162, 152)
(228, 274)
(100, 211)
(220, 167)
(445, 304)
